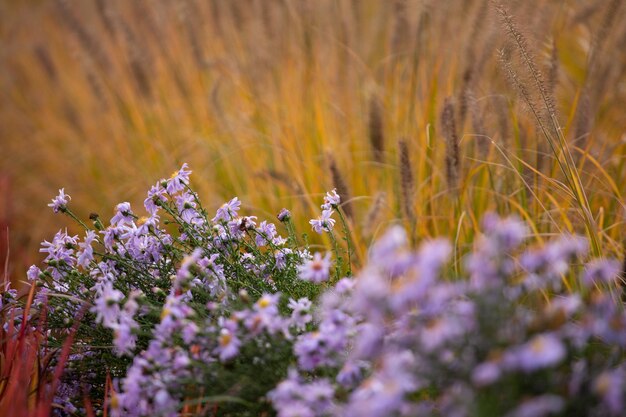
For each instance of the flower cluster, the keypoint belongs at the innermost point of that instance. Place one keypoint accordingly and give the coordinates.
(223, 312)
(182, 297)
(325, 223)
(405, 338)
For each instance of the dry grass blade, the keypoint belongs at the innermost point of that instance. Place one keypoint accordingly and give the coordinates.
(453, 157)
(340, 184)
(376, 128)
(550, 129)
(373, 215)
(407, 182)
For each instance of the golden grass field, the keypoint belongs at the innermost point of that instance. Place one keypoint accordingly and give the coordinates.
(425, 112)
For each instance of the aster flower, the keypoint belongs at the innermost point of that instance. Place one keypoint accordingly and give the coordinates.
(609, 386)
(542, 351)
(123, 215)
(124, 337)
(280, 257)
(268, 304)
(486, 373)
(301, 312)
(266, 233)
(59, 203)
(315, 270)
(601, 271)
(284, 215)
(324, 223)
(178, 180)
(106, 305)
(156, 196)
(228, 342)
(331, 200)
(33, 273)
(543, 405)
(60, 255)
(227, 211)
(186, 205)
(86, 255)
(350, 374)
(383, 394)
(292, 397)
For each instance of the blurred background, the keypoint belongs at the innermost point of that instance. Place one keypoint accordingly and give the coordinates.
(277, 101)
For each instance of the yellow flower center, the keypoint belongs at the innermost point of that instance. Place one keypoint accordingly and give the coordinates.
(537, 345)
(225, 339)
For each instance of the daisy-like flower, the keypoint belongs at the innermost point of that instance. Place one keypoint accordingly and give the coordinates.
(123, 214)
(157, 193)
(266, 232)
(284, 215)
(315, 270)
(609, 386)
(331, 200)
(178, 180)
(301, 314)
(542, 351)
(323, 223)
(59, 203)
(107, 307)
(33, 273)
(228, 343)
(227, 211)
(186, 205)
(86, 255)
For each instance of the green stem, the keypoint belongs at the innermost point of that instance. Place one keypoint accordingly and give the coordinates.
(339, 266)
(348, 238)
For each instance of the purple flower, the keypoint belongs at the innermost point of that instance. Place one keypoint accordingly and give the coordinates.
(183, 275)
(438, 331)
(280, 256)
(267, 304)
(369, 340)
(186, 205)
(124, 337)
(59, 203)
(123, 215)
(315, 270)
(178, 180)
(86, 255)
(293, 398)
(227, 211)
(387, 247)
(542, 351)
(228, 343)
(350, 374)
(543, 405)
(157, 194)
(323, 223)
(265, 316)
(609, 385)
(33, 273)
(60, 253)
(266, 232)
(331, 200)
(486, 373)
(301, 314)
(284, 215)
(312, 351)
(601, 271)
(106, 305)
(383, 394)
(344, 285)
